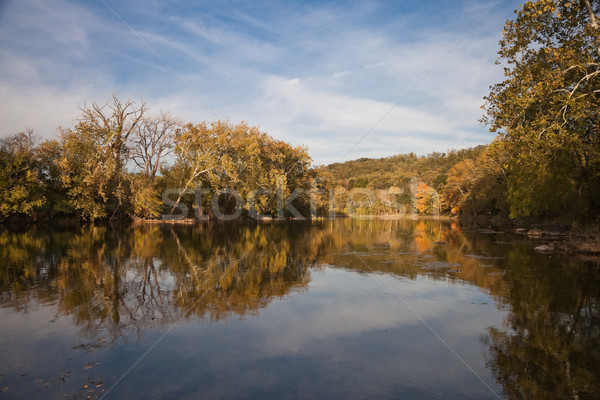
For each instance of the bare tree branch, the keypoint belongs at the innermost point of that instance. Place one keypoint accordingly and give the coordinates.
(154, 140)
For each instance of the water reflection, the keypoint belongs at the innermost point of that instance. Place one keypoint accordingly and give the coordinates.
(151, 274)
(551, 349)
(121, 281)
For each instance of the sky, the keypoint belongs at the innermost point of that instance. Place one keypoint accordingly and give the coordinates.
(345, 79)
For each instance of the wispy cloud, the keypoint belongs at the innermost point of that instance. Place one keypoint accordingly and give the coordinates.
(318, 74)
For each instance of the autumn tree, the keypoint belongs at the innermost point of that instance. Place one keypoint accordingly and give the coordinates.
(223, 155)
(285, 170)
(427, 200)
(86, 169)
(94, 157)
(195, 155)
(321, 191)
(546, 112)
(475, 186)
(458, 186)
(153, 139)
(113, 123)
(20, 188)
(49, 154)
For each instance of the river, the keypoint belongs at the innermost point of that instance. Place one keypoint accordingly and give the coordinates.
(348, 309)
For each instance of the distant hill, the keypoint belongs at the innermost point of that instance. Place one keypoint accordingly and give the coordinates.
(383, 173)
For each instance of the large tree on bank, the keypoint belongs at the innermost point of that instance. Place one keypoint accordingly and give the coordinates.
(94, 157)
(546, 112)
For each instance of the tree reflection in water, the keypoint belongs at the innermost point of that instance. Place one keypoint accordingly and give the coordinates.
(123, 280)
(550, 348)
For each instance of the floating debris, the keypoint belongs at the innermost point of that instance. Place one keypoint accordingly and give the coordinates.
(90, 365)
(89, 348)
(64, 375)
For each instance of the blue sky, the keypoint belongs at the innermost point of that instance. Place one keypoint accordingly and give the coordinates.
(402, 75)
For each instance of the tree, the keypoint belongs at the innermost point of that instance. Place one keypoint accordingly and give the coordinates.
(427, 200)
(85, 172)
(113, 123)
(195, 155)
(145, 200)
(86, 169)
(94, 156)
(459, 185)
(153, 139)
(20, 188)
(546, 112)
(238, 157)
(475, 186)
(48, 155)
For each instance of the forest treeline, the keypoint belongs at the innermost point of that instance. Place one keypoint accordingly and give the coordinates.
(121, 161)
(545, 159)
(466, 181)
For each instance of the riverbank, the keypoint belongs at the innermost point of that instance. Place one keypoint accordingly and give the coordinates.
(575, 238)
(571, 243)
(585, 245)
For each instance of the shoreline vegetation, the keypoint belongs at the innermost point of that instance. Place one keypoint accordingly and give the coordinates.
(121, 163)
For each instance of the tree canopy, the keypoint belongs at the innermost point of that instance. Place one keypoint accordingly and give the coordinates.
(119, 161)
(546, 110)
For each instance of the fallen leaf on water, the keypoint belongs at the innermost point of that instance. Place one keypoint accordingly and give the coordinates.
(6, 388)
(90, 365)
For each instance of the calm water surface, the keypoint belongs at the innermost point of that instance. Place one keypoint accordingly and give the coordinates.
(330, 309)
